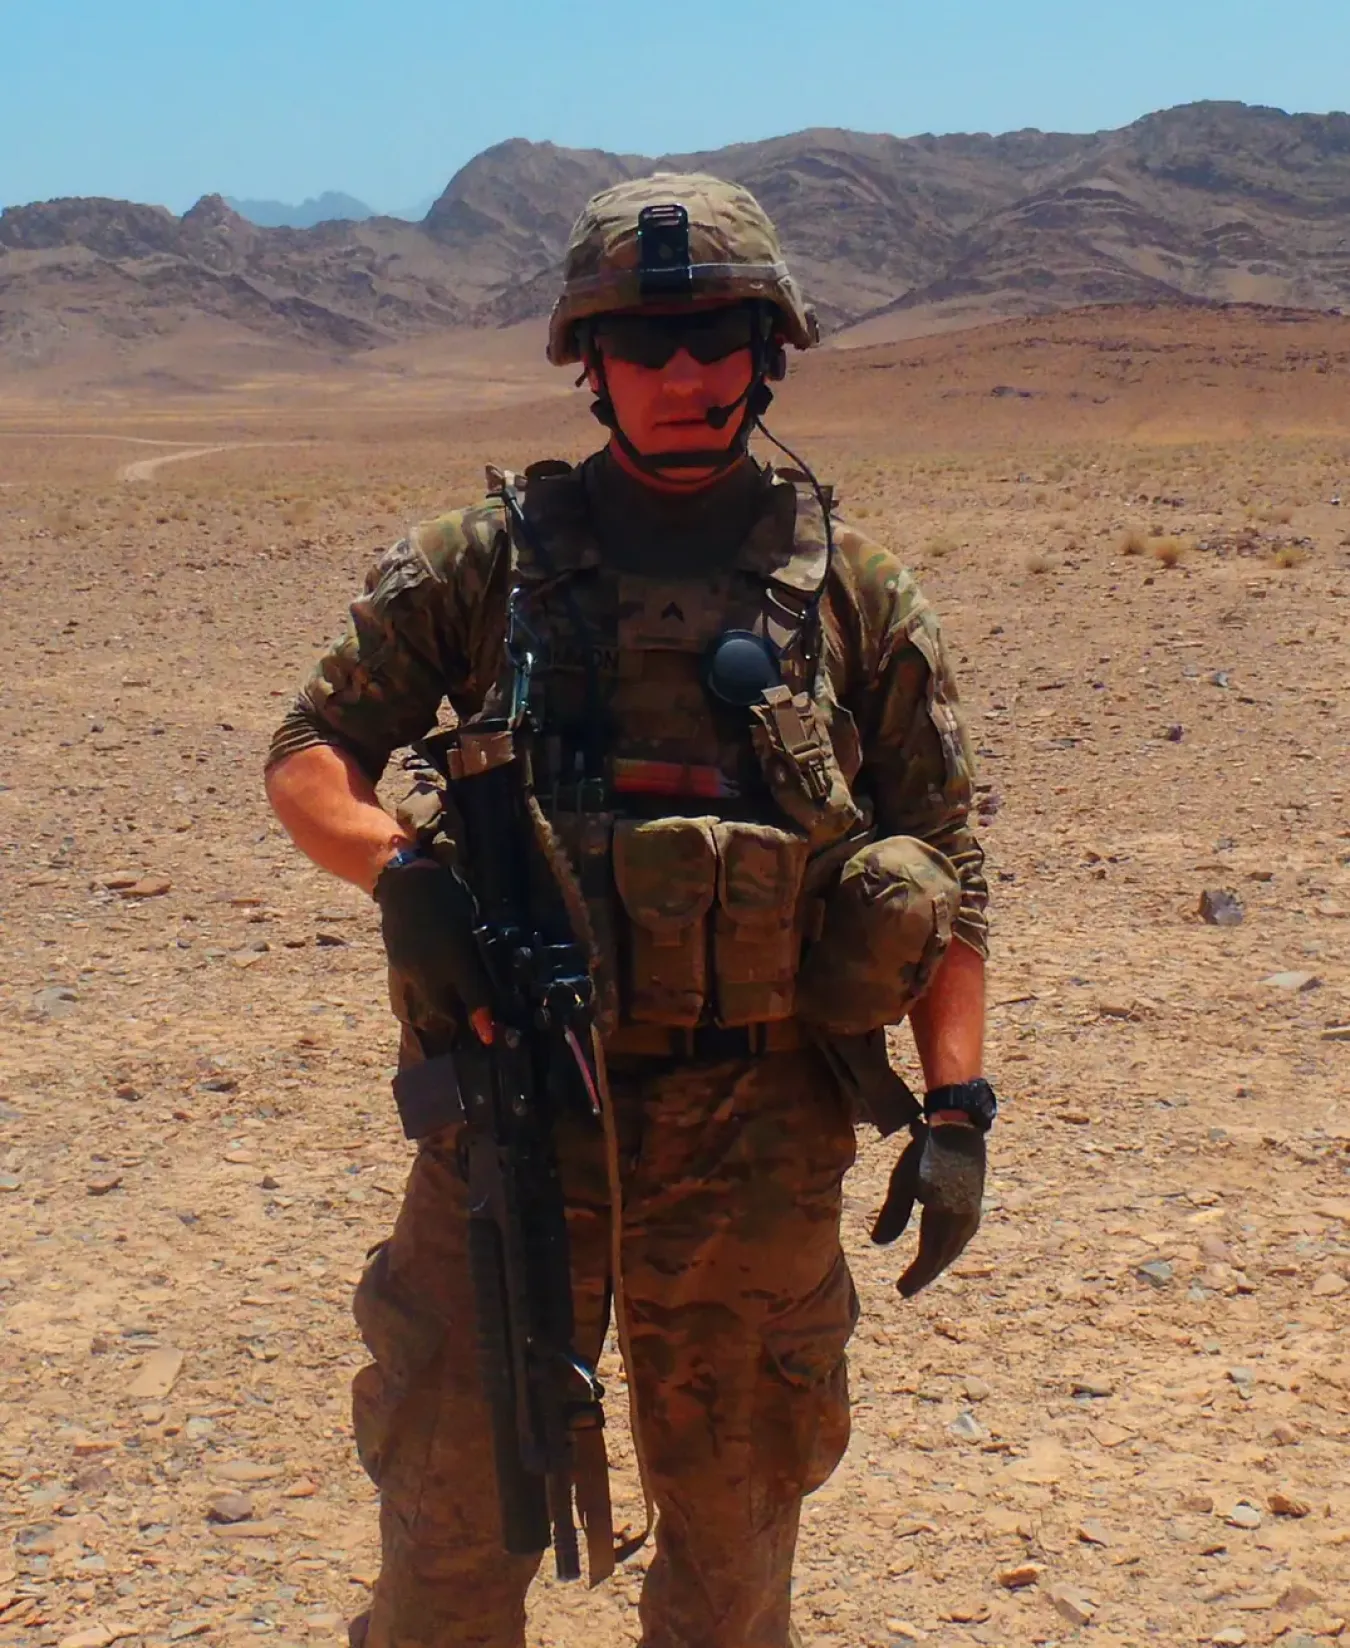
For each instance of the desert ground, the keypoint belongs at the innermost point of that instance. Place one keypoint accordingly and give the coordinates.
(1124, 1418)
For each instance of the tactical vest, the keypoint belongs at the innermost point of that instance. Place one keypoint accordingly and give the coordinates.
(702, 835)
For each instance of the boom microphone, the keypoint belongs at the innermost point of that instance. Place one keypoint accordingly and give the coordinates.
(720, 416)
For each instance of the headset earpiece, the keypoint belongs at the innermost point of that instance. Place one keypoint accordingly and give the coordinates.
(775, 361)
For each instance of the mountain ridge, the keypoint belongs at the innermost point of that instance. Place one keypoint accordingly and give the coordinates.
(1210, 201)
(332, 206)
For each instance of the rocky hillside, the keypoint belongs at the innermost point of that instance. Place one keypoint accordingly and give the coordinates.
(1211, 201)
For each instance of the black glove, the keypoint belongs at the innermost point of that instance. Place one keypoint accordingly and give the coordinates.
(427, 917)
(942, 1168)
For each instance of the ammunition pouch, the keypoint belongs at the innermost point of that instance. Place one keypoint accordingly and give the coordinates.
(712, 929)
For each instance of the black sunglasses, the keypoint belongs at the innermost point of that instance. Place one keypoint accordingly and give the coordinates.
(653, 340)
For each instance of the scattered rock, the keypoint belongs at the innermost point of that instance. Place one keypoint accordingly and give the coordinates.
(245, 1471)
(1244, 1515)
(103, 1184)
(1232, 1636)
(267, 1182)
(87, 1447)
(148, 887)
(977, 1390)
(90, 1636)
(1092, 1532)
(1287, 1504)
(1293, 981)
(158, 1375)
(303, 1489)
(1330, 1285)
(231, 1506)
(329, 940)
(1295, 1597)
(1083, 1385)
(1221, 908)
(10, 1181)
(1071, 1604)
(966, 1428)
(56, 1001)
(1336, 1032)
(186, 1628)
(249, 1530)
(1200, 1503)
(1157, 1273)
(1018, 1578)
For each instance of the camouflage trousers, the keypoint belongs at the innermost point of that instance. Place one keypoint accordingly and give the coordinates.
(740, 1307)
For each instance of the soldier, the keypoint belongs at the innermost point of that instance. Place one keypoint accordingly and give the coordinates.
(749, 742)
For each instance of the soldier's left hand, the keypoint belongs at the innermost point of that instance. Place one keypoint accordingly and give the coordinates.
(942, 1169)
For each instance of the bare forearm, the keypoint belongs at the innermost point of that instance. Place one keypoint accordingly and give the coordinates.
(329, 808)
(948, 1021)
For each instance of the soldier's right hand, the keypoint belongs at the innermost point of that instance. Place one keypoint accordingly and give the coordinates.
(427, 919)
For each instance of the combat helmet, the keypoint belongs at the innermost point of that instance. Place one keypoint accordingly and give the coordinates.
(676, 238)
(668, 237)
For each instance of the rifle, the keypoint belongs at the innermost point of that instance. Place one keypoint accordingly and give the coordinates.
(545, 1398)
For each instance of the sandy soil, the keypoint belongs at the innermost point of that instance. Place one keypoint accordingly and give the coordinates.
(1129, 1404)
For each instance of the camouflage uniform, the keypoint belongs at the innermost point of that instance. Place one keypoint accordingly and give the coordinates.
(740, 1303)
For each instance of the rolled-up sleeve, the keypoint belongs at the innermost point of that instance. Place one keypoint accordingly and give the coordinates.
(412, 639)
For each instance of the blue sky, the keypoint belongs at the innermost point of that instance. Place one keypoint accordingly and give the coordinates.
(165, 100)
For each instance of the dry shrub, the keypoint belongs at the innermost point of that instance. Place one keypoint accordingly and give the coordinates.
(942, 544)
(299, 512)
(64, 523)
(1168, 552)
(1038, 562)
(1289, 556)
(1133, 543)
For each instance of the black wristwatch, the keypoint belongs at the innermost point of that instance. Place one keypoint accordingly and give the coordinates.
(975, 1099)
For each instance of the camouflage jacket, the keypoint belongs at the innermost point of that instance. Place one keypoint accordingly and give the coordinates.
(430, 624)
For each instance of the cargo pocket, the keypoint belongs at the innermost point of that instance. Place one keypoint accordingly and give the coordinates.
(404, 1341)
(757, 936)
(800, 1428)
(666, 875)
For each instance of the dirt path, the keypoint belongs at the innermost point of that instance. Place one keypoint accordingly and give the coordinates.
(144, 469)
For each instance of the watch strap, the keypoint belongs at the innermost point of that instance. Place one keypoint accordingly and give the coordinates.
(975, 1099)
